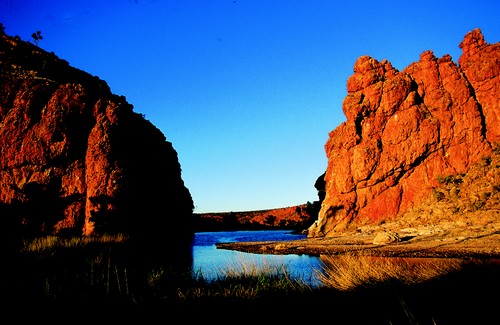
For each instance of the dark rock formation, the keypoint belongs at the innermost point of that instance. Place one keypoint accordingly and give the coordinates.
(406, 129)
(77, 160)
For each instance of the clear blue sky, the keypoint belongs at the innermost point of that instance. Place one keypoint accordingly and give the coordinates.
(245, 90)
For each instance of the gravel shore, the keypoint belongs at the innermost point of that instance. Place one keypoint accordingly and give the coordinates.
(425, 241)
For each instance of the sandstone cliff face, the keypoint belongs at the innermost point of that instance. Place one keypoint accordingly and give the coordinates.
(76, 158)
(406, 129)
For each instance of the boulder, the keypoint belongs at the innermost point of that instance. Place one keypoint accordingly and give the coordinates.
(384, 238)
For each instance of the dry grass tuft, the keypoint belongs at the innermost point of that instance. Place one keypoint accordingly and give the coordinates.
(248, 267)
(41, 244)
(350, 271)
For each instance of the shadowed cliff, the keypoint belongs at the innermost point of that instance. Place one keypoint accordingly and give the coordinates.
(77, 160)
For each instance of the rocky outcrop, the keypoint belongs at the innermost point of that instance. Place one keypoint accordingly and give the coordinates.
(76, 159)
(405, 129)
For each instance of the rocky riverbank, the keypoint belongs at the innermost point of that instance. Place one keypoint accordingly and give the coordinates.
(472, 236)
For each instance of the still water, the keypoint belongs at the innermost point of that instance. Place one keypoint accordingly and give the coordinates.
(211, 262)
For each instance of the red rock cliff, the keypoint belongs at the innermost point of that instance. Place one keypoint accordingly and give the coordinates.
(76, 158)
(405, 129)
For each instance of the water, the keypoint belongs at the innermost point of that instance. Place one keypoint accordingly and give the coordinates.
(212, 262)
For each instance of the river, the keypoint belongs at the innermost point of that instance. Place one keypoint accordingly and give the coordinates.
(211, 262)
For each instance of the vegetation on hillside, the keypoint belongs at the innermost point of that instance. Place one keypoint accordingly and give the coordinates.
(295, 218)
(462, 200)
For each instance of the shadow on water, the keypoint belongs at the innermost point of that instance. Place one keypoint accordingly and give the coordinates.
(357, 289)
(53, 270)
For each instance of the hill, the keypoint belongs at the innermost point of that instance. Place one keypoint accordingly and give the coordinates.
(297, 218)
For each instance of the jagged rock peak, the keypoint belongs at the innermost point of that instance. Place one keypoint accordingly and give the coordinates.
(472, 43)
(405, 129)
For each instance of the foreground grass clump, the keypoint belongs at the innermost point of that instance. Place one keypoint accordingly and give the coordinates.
(245, 281)
(354, 289)
(38, 245)
(99, 270)
(351, 271)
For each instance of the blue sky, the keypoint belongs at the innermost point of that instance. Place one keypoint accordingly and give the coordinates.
(245, 90)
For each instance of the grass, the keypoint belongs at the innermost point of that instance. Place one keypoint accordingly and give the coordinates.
(351, 271)
(41, 244)
(95, 271)
(245, 281)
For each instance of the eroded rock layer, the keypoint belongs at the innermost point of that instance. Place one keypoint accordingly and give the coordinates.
(405, 129)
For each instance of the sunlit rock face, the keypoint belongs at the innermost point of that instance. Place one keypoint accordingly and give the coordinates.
(77, 159)
(406, 128)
